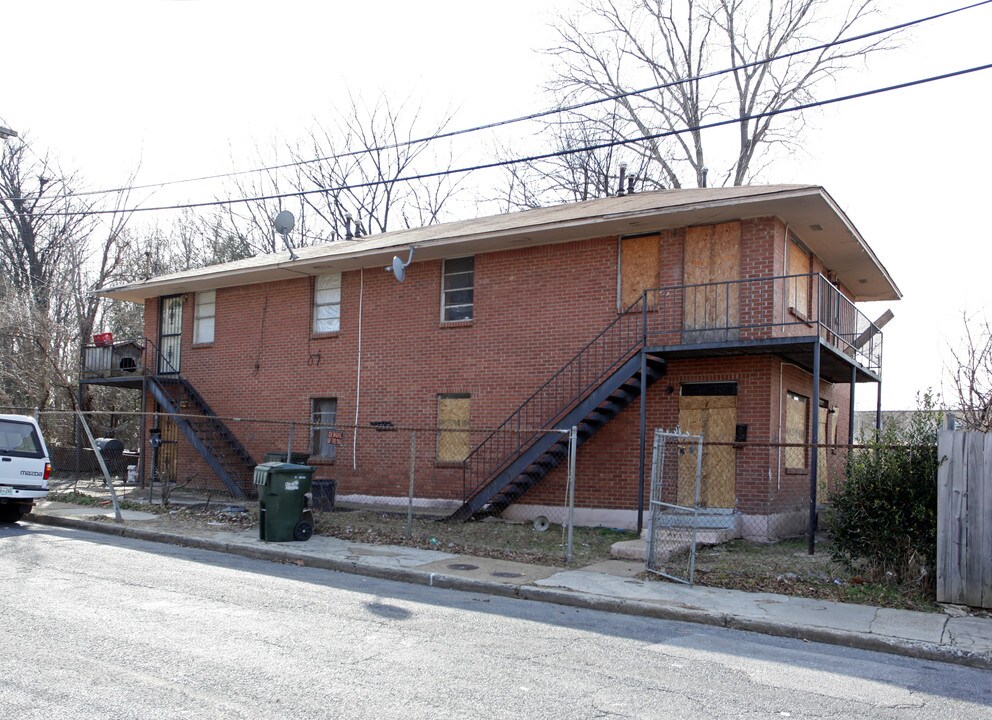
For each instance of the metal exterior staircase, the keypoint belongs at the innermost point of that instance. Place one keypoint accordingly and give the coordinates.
(588, 392)
(216, 444)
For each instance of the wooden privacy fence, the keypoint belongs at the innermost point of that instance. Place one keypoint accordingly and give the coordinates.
(964, 519)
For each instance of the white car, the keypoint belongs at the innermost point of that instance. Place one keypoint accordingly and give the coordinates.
(24, 466)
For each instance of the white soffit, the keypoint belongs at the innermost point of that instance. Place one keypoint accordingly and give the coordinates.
(802, 207)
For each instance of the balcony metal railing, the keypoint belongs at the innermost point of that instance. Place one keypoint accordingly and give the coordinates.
(763, 309)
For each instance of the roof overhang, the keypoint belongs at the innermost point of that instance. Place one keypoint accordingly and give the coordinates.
(807, 209)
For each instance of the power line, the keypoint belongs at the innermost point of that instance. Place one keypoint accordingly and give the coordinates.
(550, 155)
(540, 114)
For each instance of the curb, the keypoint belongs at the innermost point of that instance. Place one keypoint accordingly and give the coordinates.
(568, 598)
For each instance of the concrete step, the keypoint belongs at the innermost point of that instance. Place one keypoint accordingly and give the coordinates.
(670, 542)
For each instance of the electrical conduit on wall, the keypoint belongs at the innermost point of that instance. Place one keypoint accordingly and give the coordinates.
(358, 380)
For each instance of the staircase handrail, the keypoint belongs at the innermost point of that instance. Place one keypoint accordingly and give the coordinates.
(567, 399)
(153, 369)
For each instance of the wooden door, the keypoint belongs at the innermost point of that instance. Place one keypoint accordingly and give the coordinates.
(640, 267)
(715, 418)
(168, 453)
(711, 310)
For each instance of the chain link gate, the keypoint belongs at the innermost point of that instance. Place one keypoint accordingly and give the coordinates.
(676, 473)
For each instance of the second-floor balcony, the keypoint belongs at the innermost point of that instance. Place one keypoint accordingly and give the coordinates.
(785, 314)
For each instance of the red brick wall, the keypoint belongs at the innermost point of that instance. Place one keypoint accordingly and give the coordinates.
(535, 308)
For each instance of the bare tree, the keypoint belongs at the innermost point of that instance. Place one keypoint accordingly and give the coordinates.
(350, 176)
(573, 174)
(971, 374)
(365, 157)
(611, 47)
(53, 250)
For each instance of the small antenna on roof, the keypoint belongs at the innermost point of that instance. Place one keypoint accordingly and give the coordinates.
(398, 268)
(283, 224)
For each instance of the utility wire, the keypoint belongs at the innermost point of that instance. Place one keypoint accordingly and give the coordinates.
(541, 114)
(546, 156)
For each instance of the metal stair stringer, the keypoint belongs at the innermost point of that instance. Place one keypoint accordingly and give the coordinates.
(225, 455)
(593, 412)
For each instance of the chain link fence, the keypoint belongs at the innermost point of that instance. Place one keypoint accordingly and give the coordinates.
(732, 507)
(378, 483)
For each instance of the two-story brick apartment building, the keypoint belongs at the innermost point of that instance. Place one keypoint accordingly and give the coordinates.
(734, 305)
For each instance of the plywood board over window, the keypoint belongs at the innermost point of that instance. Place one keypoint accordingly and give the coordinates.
(640, 267)
(453, 415)
(798, 264)
(712, 299)
(796, 431)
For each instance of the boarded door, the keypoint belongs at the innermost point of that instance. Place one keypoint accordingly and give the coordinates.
(712, 300)
(169, 451)
(715, 418)
(170, 334)
(640, 265)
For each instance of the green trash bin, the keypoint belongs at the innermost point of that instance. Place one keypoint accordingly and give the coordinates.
(284, 512)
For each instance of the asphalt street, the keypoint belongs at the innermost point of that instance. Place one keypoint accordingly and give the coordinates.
(95, 626)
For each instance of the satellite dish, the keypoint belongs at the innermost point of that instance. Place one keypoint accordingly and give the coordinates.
(284, 222)
(398, 268)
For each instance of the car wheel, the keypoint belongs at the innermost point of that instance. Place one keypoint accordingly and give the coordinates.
(302, 531)
(10, 514)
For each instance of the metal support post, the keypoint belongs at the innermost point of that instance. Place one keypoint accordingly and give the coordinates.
(850, 419)
(815, 423)
(878, 414)
(644, 412)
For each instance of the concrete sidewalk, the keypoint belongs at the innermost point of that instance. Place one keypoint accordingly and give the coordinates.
(608, 586)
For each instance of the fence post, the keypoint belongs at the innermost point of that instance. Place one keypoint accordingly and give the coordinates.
(409, 506)
(572, 443)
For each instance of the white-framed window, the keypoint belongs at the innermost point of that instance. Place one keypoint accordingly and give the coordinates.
(204, 316)
(458, 289)
(327, 303)
(453, 414)
(323, 421)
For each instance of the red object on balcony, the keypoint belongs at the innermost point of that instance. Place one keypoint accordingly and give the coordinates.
(103, 339)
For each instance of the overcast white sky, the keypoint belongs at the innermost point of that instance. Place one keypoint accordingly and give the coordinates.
(176, 84)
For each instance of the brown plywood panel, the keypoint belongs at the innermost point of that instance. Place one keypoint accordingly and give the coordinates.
(799, 288)
(712, 255)
(640, 264)
(698, 248)
(453, 422)
(715, 418)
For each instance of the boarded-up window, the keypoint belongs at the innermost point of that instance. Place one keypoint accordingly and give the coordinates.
(458, 291)
(327, 303)
(203, 318)
(453, 413)
(712, 259)
(323, 421)
(796, 430)
(640, 264)
(799, 281)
